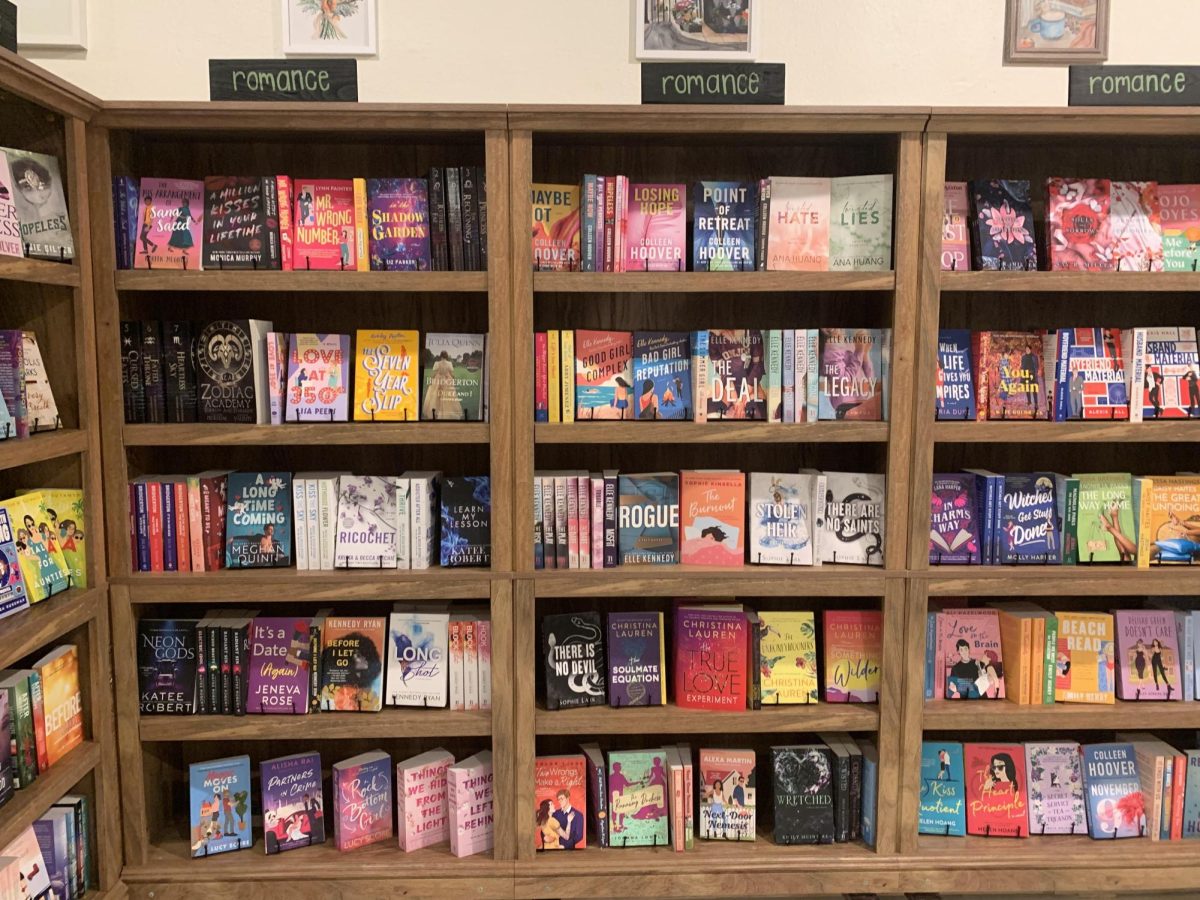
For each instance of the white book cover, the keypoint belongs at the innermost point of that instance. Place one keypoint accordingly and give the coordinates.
(277, 350)
(259, 330)
(418, 656)
(327, 505)
(366, 522)
(860, 237)
(812, 363)
(300, 517)
(403, 523)
(424, 517)
(853, 524)
(597, 505)
(782, 523)
(11, 243)
(818, 508)
(41, 410)
(774, 340)
(470, 643)
(483, 630)
(312, 520)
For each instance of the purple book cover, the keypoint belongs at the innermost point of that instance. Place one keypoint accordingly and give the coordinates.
(398, 224)
(953, 526)
(280, 661)
(318, 374)
(362, 797)
(635, 659)
(293, 803)
(1147, 655)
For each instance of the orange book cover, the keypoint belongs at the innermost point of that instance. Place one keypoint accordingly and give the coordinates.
(712, 514)
(560, 802)
(63, 703)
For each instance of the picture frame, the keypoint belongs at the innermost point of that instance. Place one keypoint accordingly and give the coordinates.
(1055, 32)
(309, 29)
(696, 30)
(52, 24)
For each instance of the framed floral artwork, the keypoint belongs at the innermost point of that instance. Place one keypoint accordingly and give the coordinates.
(330, 27)
(1056, 32)
(52, 24)
(699, 30)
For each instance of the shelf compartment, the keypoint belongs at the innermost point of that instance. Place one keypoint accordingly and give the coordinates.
(1097, 431)
(339, 433)
(391, 722)
(43, 623)
(42, 447)
(1065, 581)
(601, 432)
(710, 581)
(698, 282)
(31, 803)
(39, 271)
(1092, 282)
(170, 280)
(949, 715)
(672, 719)
(287, 585)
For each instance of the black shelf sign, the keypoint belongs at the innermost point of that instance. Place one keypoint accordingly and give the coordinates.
(8, 25)
(300, 80)
(1134, 86)
(740, 83)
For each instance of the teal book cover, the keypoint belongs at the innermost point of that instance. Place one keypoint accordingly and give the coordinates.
(637, 787)
(258, 520)
(943, 801)
(221, 807)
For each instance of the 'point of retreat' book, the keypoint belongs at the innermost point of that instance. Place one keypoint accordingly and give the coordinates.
(723, 229)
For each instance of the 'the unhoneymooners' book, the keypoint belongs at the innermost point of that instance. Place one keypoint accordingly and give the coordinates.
(787, 651)
(1085, 663)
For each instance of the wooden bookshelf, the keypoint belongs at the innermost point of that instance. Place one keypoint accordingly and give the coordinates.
(31, 803)
(342, 433)
(389, 723)
(600, 432)
(171, 281)
(42, 447)
(1074, 282)
(1002, 715)
(40, 271)
(670, 719)
(1168, 431)
(697, 282)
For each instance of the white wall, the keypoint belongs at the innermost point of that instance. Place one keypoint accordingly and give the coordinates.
(838, 52)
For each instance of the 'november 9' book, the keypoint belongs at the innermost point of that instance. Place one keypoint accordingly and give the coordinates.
(1116, 805)
(573, 650)
(293, 802)
(166, 666)
(258, 520)
(220, 806)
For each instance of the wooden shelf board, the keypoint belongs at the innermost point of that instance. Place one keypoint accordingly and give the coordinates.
(1067, 581)
(389, 723)
(39, 271)
(41, 447)
(1098, 431)
(284, 585)
(339, 433)
(334, 282)
(948, 715)
(43, 623)
(671, 719)
(710, 581)
(1094, 282)
(32, 802)
(701, 282)
(602, 432)
(1072, 850)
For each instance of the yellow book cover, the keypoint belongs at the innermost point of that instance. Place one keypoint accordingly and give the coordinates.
(362, 248)
(1085, 669)
(1169, 523)
(1037, 659)
(61, 701)
(386, 379)
(1015, 648)
(853, 641)
(67, 515)
(787, 648)
(39, 552)
(555, 227)
(566, 358)
(554, 374)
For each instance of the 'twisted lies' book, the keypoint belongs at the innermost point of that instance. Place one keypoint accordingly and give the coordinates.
(860, 233)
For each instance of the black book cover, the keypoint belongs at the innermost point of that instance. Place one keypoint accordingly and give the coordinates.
(241, 223)
(470, 212)
(131, 373)
(202, 706)
(438, 248)
(481, 193)
(465, 520)
(454, 213)
(225, 372)
(166, 654)
(212, 635)
(314, 669)
(1010, 245)
(152, 373)
(764, 225)
(573, 650)
(802, 777)
(179, 370)
(238, 667)
(226, 670)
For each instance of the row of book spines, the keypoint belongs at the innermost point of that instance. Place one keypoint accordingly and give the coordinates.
(55, 850)
(177, 523)
(575, 520)
(27, 403)
(35, 746)
(1029, 649)
(1163, 772)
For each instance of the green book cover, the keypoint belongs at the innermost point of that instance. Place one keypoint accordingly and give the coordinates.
(25, 767)
(1071, 526)
(860, 230)
(452, 378)
(1105, 527)
(1050, 659)
(637, 789)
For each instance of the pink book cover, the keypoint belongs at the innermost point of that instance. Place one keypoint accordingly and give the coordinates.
(470, 642)
(457, 699)
(318, 372)
(597, 485)
(283, 188)
(969, 653)
(421, 814)
(11, 243)
(195, 525)
(656, 228)
(469, 796)
(798, 229)
(1136, 222)
(362, 795)
(1079, 219)
(572, 524)
(483, 628)
(956, 241)
(541, 390)
(277, 353)
(170, 224)
(622, 209)
(603, 374)
(1148, 655)
(324, 225)
(582, 486)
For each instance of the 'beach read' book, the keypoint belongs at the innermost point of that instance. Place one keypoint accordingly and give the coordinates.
(853, 642)
(723, 226)
(655, 235)
(386, 378)
(293, 802)
(170, 224)
(787, 653)
(231, 372)
(1085, 663)
(1148, 655)
(636, 659)
(221, 807)
(1054, 776)
(398, 224)
(860, 233)
(942, 806)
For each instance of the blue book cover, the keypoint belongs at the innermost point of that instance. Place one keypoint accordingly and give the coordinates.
(1191, 796)
(258, 520)
(943, 808)
(870, 787)
(466, 509)
(930, 654)
(51, 833)
(12, 588)
(648, 519)
(1002, 234)
(723, 226)
(953, 521)
(1029, 531)
(955, 384)
(1115, 803)
(1089, 376)
(8, 425)
(662, 374)
(220, 805)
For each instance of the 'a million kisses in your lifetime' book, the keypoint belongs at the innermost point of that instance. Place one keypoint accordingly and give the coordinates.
(241, 223)
(723, 226)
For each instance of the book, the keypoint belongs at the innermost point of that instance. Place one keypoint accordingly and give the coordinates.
(852, 520)
(41, 411)
(1054, 775)
(727, 794)
(326, 226)
(1148, 655)
(418, 648)
(662, 374)
(12, 382)
(955, 391)
(40, 196)
(860, 233)
(736, 374)
(648, 523)
(555, 227)
(1105, 529)
(33, 877)
(638, 794)
(386, 380)
(1029, 528)
(723, 226)
(58, 672)
(1085, 663)
(560, 799)
(221, 808)
(318, 372)
(1135, 217)
(1010, 375)
(851, 374)
(1180, 214)
(603, 375)
(362, 800)
(1163, 372)
(712, 506)
(1090, 377)
(655, 228)
(711, 665)
(13, 597)
(943, 802)
(280, 663)
(466, 504)
(1115, 803)
(956, 241)
(258, 520)
(469, 798)
(784, 512)
(422, 818)
(787, 650)
(954, 527)
(573, 651)
(22, 734)
(170, 224)
(452, 367)
(1078, 218)
(853, 642)
(51, 831)
(1002, 233)
(166, 658)
(241, 223)
(802, 778)
(11, 240)
(636, 659)
(44, 569)
(996, 797)
(293, 802)
(398, 224)
(179, 371)
(367, 522)
(798, 234)
(352, 663)
(1191, 814)
(232, 378)
(970, 654)
(1168, 510)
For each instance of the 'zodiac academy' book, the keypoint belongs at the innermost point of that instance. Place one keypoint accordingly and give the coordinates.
(231, 363)
(258, 520)
(723, 231)
(221, 807)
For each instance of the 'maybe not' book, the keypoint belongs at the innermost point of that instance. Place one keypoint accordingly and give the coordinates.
(362, 800)
(231, 363)
(1148, 655)
(170, 220)
(318, 372)
(711, 658)
(860, 232)
(41, 200)
(555, 227)
(1002, 234)
(398, 224)
(280, 666)
(784, 510)
(636, 656)
(723, 233)
(258, 520)
(221, 807)
(366, 522)
(166, 666)
(662, 374)
(1054, 776)
(452, 382)
(798, 231)
(466, 533)
(648, 519)
(241, 223)
(804, 802)
(852, 527)
(417, 657)
(727, 794)
(293, 802)
(386, 379)
(573, 651)
(655, 231)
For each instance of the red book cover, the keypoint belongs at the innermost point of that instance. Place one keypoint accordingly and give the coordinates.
(212, 514)
(996, 790)
(541, 388)
(324, 225)
(283, 188)
(711, 649)
(1077, 213)
(560, 802)
(183, 542)
(154, 510)
(1177, 797)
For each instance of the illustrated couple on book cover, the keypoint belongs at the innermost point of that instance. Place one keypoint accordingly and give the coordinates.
(562, 828)
(973, 679)
(641, 799)
(298, 823)
(222, 816)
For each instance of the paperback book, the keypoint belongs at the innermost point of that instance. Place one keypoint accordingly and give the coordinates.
(555, 227)
(1148, 655)
(452, 378)
(418, 650)
(727, 794)
(603, 375)
(171, 217)
(398, 224)
(1002, 225)
(166, 657)
(422, 818)
(293, 802)
(466, 506)
(662, 374)
(852, 528)
(712, 514)
(326, 226)
(798, 234)
(851, 374)
(1029, 528)
(1079, 220)
(956, 242)
(969, 652)
(1010, 375)
(711, 658)
(573, 650)
(1085, 665)
(853, 641)
(655, 230)
(258, 520)
(1090, 379)
(352, 663)
(231, 376)
(41, 199)
(11, 241)
(954, 532)
(367, 522)
(386, 380)
(280, 666)
(1105, 531)
(996, 797)
(241, 223)
(648, 519)
(221, 808)
(1180, 204)
(470, 800)
(362, 800)
(736, 384)
(860, 235)
(560, 798)
(787, 654)
(636, 659)
(1136, 224)
(955, 397)
(637, 788)
(943, 800)
(1115, 803)
(1054, 774)
(785, 510)
(723, 226)
(804, 787)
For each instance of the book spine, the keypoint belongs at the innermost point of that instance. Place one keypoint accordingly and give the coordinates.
(841, 810)
(587, 225)
(154, 510)
(1178, 795)
(195, 524)
(856, 762)
(1062, 375)
(183, 537)
(438, 248)
(314, 668)
(596, 485)
(1071, 526)
(169, 540)
(553, 376)
(120, 222)
(979, 348)
(327, 491)
(939, 665)
(238, 668)
(37, 703)
(610, 521)
(312, 522)
(619, 237)
(1135, 371)
(362, 251)
(539, 549)
(1184, 639)
(1029, 680)
(930, 655)
(212, 634)
(764, 220)
(566, 356)
(455, 216)
(456, 667)
(541, 390)
(131, 503)
(561, 532)
(545, 486)
(202, 707)
(583, 489)
(572, 523)
(481, 202)
(689, 835)
(300, 517)
(132, 387)
(141, 507)
(1162, 825)
(213, 516)
(272, 254)
(225, 654)
(470, 202)
(812, 336)
(677, 801)
(283, 192)
(277, 362)
(700, 375)
(789, 375)
(774, 338)
(470, 642)
(610, 224)
(152, 373)
(483, 633)
(1050, 662)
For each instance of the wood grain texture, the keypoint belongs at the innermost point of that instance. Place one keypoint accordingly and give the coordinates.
(505, 666)
(1066, 581)
(388, 723)
(671, 719)
(947, 715)
(300, 281)
(908, 757)
(47, 90)
(603, 432)
(40, 447)
(341, 433)
(126, 690)
(1068, 282)
(32, 802)
(260, 118)
(525, 647)
(521, 322)
(105, 780)
(1031, 121)
(695, 282)
(1166, 431)
(288, 585)
(708, 581)
(25, 632)
(708, 120)
(892, 700)
(40, 271)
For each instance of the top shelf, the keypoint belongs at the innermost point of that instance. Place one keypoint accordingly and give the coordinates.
(242, 280)
(698, 282)
(1073, 282)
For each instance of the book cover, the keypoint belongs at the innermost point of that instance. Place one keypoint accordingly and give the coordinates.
(362, 800)
(969, 652)
(852, 524)
(560, 800)
(656, 228)
(711, 665)
(638, 794)
(13, 597)
(166, 657)
(1105, 528)
(11, 240)
(52, 838)
(787, 653)
(1115, 804)
(179, 371)
(851, 373)
(241, 223)
(280, 665)
(317, 374)
(802, 777)
(33, 878)
(1180, 205)
(1002, 234)
(258, 520)
(221, 808)
(12, 382)
(293, 802)
(662, 374)
(1054, 774)
(41, 411)
(603, 375)
(1136, 224)
(1090, 377)
(736, 383)
(1029, 528)
(367, 516)
(648, 519)
(996, 797)
(386, 380)
(955, 397)
(860, 233)
(466, 507)
(573, 651)
(943, 800)
(1168, 371)
(170, 230)
(1078, 218)
(1085, 664)
(422, 818)
(1191, 797)
(1148, 655)
(398, 224)
(418, 648)
(469, 797)
(62, 701)
(954, 533)
(40, 195)
(636, 659)
(231, 374)
(22, 734)
(352, 663)
(44, 569)
(1167, 521)
(712, 508)
(727, 794)
(1010, 371)
(784, 509)
(452, 367)
(325, 229)
(853, 641)
(555, 227)
(798, 235)
(723, 229)
(64, 510)
(956, 242)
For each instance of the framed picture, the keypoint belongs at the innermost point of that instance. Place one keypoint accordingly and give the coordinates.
(1056, 32)
(52, 24)
(698, 30)
(330, 27)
